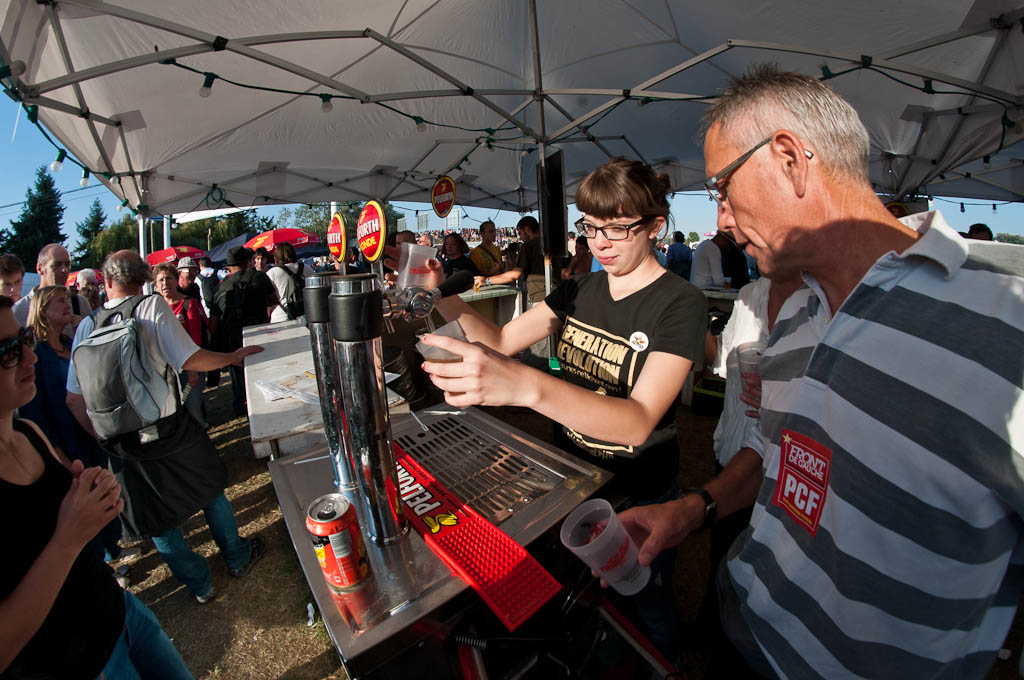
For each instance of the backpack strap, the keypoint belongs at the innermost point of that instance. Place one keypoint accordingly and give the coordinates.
(102, 316)
(75, 306)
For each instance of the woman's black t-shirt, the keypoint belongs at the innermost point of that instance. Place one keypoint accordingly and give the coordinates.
(603, 346)
(78, 635)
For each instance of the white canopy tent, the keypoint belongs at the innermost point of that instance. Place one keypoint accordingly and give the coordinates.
(311, 101)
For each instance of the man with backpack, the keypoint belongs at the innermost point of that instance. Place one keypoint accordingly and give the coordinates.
(122, 388)
(288, 276)
(245, 298)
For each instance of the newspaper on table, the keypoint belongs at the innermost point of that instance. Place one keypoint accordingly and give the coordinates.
(302, 386)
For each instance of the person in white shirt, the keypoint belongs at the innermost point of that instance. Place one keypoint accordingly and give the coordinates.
(53, 266)
(282, 275)
(706, 271)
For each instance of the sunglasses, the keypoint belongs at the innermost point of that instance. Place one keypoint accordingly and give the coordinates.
(12, 349)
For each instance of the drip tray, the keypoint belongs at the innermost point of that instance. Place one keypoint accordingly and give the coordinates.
(483, 472)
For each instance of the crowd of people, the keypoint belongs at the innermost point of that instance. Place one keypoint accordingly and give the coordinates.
(865, 518)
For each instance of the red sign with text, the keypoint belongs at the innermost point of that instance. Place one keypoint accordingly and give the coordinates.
(336, 237)
(803, 479)
(442, 196)
(371, 230)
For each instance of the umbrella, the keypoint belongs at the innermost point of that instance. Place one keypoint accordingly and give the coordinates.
(275, 237)
(173, 254)
(73, 277)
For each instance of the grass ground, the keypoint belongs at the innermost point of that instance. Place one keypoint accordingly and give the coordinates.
(256, 628)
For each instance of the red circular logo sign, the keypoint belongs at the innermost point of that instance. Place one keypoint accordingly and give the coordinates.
(371, 230)
(442, 196)
(336, 237)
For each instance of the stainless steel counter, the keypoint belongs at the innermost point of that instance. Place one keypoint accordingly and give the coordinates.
(517, 482)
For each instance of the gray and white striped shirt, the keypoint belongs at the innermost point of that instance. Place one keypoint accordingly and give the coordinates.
(886, 541)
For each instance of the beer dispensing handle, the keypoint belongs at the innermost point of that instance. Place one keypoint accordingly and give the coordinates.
(417, 303)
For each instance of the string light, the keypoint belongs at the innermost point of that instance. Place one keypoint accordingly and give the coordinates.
(962, 209)
(123, 205)
(420, 125)
(84, 182)
(986, 161)
(993, 207)
(325, 103)
(15, 69)
(207, 87)
(57, 164)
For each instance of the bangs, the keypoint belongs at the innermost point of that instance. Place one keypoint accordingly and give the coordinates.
(623, 188)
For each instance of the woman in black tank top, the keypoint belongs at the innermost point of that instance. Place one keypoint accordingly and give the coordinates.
(61, 611)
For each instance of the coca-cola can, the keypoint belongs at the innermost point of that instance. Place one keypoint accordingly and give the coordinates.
(337, 542)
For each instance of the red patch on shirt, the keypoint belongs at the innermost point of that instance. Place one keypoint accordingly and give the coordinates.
(803, 479)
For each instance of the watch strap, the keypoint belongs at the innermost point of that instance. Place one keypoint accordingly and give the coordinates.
(710, 507)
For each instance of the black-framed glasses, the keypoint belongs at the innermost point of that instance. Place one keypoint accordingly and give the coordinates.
(612, 232)
(11, 349)
(711, 183)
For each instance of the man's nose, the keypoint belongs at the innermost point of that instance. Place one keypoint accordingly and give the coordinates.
(726, 220)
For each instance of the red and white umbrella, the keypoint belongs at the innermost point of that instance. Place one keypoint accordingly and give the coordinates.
(173, 254)
(275, 237)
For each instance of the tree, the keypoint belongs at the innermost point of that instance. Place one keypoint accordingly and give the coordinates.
(693, 237)
(1011, 238)
(39, 223)
(88, 230)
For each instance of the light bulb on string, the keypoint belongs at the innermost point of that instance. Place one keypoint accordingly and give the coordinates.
(325, 103)
(58, 163)
(962, 209)
(207, 87)
(421, 126)
(15, 69)
(993, 207)
(84, 182)
(122, 205)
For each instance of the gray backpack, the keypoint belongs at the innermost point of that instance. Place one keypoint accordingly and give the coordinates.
(123, 392)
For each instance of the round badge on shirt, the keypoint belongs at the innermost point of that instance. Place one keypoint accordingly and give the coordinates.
(639, 341)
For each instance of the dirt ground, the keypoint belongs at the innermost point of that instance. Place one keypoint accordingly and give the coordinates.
(256, 628)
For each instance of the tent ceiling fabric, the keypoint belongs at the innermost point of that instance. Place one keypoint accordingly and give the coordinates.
(616, 77)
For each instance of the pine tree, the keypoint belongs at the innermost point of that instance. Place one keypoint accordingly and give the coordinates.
(39, 223)
(88, 230)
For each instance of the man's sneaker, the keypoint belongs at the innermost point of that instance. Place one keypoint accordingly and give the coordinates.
(208, 597)
(129, 555)
(259, 549)
(123, 581)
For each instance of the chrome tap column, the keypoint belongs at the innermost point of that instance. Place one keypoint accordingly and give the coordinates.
(325, 361)
(357, 320)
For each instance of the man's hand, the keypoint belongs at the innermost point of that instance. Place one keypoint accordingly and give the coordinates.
(239, 355)
(478, 281)
(751, 394)
(664, 525)
(435, 277)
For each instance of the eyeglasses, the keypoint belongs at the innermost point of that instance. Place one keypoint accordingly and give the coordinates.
(12, 349)
(711, 183)
(612, 232)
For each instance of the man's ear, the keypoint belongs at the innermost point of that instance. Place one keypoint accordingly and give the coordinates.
(789, 151)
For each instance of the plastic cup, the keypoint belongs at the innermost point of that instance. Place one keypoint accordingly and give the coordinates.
(412, 265)
(452, 329)
(749, 357)
(594, 534)
(727, 283)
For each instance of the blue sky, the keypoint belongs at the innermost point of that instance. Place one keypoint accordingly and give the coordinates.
(28, 150)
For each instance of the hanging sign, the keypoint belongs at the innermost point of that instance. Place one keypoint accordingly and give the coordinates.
(442, 196)
(371, 230)
(336, 237)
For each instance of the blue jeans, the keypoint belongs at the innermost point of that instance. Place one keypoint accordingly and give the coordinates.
(190, 568)
(143, 650)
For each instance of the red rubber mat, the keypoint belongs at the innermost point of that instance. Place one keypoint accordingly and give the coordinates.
(512, 583)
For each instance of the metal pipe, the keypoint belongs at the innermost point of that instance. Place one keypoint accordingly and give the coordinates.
(357, 319)
(325, 361)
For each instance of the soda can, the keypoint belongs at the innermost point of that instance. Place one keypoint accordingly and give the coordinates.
(337, 542)
(354, 603)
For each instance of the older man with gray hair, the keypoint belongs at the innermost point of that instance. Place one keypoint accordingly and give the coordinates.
(886, 538)
(53, 264)
(169, 470)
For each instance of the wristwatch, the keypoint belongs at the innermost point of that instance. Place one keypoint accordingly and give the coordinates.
(710, 506)
(487, 281)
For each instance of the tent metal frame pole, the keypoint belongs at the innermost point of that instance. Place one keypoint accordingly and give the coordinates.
(1003, 21)
(53, 104)
(542, 188)
(65, 56)
(954, 133)
(568, 116)
(131, 167)
(142, 235)
(990, 182)
(466, 90)
(887, 65)
(411, 170)
(237, 47)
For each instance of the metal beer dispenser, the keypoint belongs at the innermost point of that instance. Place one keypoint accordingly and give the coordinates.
(357, 322)
(325, 361)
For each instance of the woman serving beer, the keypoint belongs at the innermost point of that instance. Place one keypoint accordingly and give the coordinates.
(627, 338)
